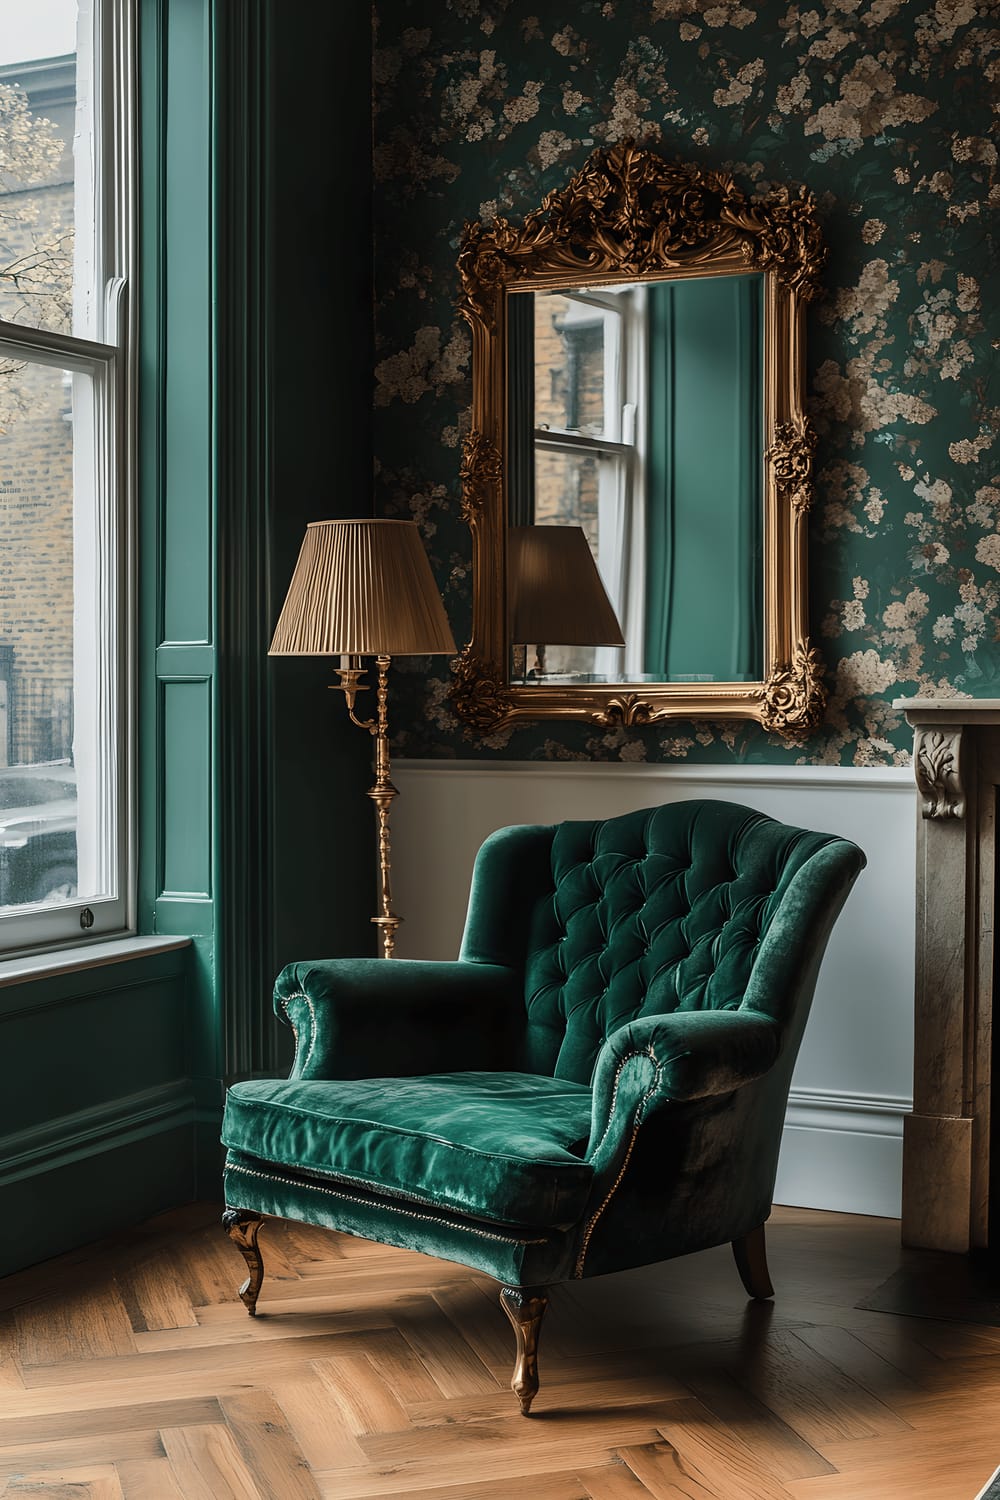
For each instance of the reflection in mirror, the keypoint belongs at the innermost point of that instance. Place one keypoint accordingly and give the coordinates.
(635, 415)
(557, 600)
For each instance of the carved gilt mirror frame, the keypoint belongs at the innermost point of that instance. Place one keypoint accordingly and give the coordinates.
(629, 215)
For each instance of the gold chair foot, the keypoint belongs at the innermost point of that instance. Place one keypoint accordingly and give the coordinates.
(243, 1226)
(751, 1262)
(525, 1307)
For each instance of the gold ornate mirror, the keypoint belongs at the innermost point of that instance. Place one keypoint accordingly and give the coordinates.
(637, 476)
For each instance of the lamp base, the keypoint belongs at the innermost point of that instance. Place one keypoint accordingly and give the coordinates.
(387, 933)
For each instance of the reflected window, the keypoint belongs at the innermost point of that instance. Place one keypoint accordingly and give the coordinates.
(585, 347)
(636, 414)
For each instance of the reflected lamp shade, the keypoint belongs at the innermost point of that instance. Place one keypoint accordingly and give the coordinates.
(556, 594)
(362, 588)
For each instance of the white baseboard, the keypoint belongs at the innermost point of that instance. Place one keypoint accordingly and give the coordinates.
(843, 1136)
(842, 1151)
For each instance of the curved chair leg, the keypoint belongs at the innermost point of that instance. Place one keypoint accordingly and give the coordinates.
(751, 1262)
(243, 1226)
(525, 1307)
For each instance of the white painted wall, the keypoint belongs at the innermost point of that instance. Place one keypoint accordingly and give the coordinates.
(842, 1146)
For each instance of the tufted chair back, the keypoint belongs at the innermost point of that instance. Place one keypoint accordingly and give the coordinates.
(652, 912)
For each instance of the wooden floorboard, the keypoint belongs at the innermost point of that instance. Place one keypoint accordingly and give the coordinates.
(130, 1371)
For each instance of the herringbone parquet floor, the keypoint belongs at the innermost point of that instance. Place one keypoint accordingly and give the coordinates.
(131, 1372)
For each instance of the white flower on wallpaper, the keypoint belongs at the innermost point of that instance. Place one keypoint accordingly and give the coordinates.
(866, 304)
(428, 365)
(868, 103)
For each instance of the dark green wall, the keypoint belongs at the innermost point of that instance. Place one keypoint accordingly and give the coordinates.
(320, 295)
(884, 109)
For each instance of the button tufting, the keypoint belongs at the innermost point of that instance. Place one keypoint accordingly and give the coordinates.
(709, 907)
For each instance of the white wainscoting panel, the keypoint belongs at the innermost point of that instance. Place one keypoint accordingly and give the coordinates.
(842, 1146)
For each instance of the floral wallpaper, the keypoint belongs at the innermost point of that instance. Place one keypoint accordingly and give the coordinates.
(883, 107)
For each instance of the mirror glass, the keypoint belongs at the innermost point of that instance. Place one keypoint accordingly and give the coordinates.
(635, 482)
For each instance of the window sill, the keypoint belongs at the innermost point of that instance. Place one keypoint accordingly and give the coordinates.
(83, 956)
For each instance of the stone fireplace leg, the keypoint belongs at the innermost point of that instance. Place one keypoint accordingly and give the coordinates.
(946, 1140)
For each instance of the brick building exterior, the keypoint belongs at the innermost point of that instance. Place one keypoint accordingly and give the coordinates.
(569, 392)
(36, 473)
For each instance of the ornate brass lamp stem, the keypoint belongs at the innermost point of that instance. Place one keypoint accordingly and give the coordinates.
(383, 793)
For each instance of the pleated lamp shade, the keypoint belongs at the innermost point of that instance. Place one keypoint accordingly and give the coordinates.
(557, 597)
(362, 588)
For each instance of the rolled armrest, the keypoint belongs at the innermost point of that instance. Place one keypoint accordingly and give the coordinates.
(382, 1018)
(686, 1055)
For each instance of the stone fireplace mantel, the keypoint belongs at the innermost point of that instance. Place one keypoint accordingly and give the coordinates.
(951, 1194)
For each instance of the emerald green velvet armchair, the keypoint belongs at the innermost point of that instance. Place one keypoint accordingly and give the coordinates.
(598, 1082)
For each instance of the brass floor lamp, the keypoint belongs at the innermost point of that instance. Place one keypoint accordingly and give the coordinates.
(365, 588)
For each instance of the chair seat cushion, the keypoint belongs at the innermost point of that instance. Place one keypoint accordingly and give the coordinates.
(505, 1147)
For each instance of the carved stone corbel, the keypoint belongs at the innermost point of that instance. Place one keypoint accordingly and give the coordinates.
(937, 767)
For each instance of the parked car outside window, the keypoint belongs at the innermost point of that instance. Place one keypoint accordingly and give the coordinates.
(38, 862)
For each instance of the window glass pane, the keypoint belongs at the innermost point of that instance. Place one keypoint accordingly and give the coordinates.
(50, 604)
(62, 818)
(43, 106)
(571, 350)
(567, 489)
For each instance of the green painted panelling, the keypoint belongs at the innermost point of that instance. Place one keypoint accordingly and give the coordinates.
(187, 787)
(182, 660)
(92, 1048)
(885, 111)
(187, 513)
(209, 1095)
(96, 1111)
(177, 666)
(89, 1198)
(188, 916)
(55, 1143)
(209, 1158)
(67, 985)
(205, 1045)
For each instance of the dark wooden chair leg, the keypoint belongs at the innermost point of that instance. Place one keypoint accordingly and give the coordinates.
(751, 1262)
(243, 1226)
(525, 1307)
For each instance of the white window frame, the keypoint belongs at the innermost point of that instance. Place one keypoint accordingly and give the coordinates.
(104, 469)
(620, 453)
